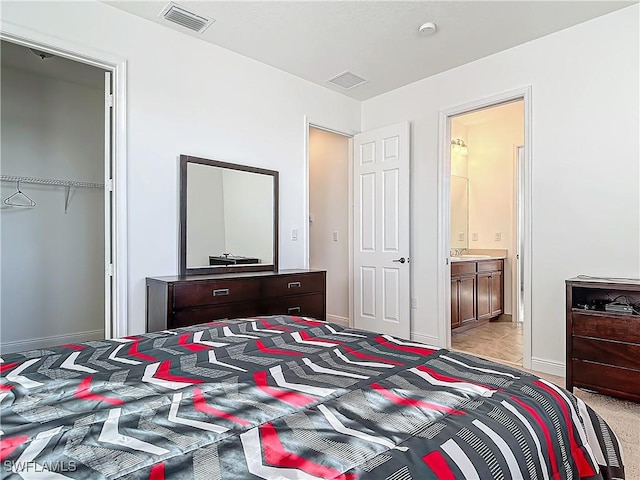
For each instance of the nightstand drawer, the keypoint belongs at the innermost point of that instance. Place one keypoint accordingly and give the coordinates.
(299, 305)
(188, 317)
(607, 352)
(215, 293)
(607, 378)
(294, 284)
(607, 326)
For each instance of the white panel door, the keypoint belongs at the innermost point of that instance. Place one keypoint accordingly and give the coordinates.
(381, 291)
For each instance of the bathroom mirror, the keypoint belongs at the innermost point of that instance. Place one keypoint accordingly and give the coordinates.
(228, 217)
(459, 212)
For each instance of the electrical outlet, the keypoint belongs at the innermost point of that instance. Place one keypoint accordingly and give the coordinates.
(498, 236)
(294, 234)
(414, 302)
(335, 236)
(474, 236)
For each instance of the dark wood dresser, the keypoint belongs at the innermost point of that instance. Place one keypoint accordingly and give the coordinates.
(179, 301)
(603, 346)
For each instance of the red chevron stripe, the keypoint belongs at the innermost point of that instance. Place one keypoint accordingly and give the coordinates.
(163, 373)
(398, 400)
(274, 327)
(403, 348)
(436, 462)
(157, 472)
(311, 323)
(446, 378)
(552, 456)
(585, 469)
(292, 398)
(133, 350)
(7, 366)
(275, 351)
(8, 445)
(183, 341)
(73, 346)
(200, 404)
(305, 336)
(364, 356)
(83, 393)
(5, 387)
(276, 455)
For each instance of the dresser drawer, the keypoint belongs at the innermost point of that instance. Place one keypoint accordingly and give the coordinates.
(188, 317)
(216, 292)
(299, 305)
(607, 352)
(293, 284)
(607, 378)
(460, 268)
(489, 265)
(607, 326)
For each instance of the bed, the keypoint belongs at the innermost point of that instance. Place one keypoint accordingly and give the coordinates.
(285, 397)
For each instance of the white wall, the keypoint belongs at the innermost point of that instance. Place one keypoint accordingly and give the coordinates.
(52, 272)
(492, 149)
(585, 162)
(328, 198)
(186, 96)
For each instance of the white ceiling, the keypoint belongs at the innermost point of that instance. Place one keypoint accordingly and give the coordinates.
(376, 40)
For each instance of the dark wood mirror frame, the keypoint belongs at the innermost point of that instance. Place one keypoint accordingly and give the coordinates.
(182, 247)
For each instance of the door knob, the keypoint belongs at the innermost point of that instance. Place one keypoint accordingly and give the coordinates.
(401, 260)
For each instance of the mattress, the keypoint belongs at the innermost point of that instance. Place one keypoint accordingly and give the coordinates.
(285, 397)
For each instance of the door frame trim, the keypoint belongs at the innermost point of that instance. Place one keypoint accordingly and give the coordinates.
(118, 66)
(306, 189)
(444, 187)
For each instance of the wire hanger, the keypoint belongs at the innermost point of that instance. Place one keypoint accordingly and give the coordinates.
(19, 193)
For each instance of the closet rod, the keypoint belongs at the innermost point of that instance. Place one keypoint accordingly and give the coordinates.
(47, 181)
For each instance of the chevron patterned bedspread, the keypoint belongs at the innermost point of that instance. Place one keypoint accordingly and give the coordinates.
(288, 398)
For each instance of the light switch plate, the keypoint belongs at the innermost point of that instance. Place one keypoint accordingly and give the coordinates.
(498, 236)
(294, 234)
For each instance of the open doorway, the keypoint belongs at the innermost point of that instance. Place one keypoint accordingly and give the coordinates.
(484, 227)
(61, 280)
(329, 219)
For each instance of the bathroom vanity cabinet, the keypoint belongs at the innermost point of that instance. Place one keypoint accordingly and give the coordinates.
(477, 292)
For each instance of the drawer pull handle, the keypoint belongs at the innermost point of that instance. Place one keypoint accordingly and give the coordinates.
(293, 285)
(293, 310)
(220, 292)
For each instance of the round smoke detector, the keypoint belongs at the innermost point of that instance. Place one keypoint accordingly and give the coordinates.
(428, 28)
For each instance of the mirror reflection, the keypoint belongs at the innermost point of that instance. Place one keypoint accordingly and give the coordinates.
(459, 212)
(228, 217)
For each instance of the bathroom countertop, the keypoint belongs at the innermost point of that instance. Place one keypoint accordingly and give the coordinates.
(477, 258)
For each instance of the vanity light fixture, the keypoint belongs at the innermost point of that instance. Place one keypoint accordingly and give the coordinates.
(458, 146)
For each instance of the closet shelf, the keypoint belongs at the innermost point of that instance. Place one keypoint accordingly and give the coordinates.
(48, 181)
(68, 184)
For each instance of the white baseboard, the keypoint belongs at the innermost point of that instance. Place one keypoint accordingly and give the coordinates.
(427, 339)
(344, 321)
(46, 342)
(548, 366)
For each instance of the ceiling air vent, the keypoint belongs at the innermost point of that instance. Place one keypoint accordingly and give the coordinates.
(183, 17)
(347, 80)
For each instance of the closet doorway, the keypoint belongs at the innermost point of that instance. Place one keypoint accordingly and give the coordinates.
(329, 164)
(57, 284)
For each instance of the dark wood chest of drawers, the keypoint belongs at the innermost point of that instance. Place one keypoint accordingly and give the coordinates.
(179, 301)
(603, 347)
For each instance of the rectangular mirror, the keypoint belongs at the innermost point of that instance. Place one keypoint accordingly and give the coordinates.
(228, 217)
(459, 212)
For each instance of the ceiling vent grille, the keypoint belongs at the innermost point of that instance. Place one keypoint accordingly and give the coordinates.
(183, 17)
(347, 80)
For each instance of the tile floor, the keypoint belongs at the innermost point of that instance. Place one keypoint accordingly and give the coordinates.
(497, 340)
